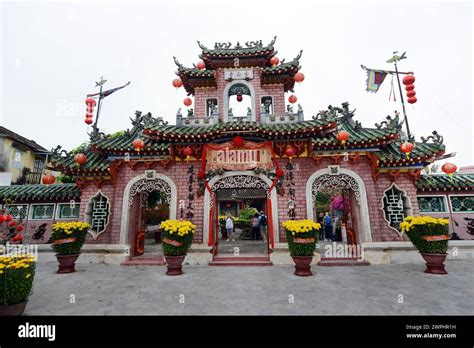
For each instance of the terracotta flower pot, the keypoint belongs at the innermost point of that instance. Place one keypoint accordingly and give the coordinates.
(10, 310)
(303, 265)
(67, 263)
(434, 263)
(175, 265)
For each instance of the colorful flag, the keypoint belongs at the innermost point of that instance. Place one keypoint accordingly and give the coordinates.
(375, 79)
(108, 92)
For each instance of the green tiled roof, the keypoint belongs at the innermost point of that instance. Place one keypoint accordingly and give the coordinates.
(422, 152)
(434, 182)
(241, 51)
(282, 68)
(96, 163)
(195, 72)
(39, 192)
(236, 127)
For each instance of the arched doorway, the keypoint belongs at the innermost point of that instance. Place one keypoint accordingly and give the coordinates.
(136, 199)
(354, 197)
(240, 184)
(246, 92)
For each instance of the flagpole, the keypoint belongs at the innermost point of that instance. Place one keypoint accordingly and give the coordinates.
(98, 107)
(403, 101)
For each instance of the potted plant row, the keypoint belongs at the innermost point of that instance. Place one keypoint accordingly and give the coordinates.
(301, 238)
(16, 280)
(67, 241)
(430, 236)
(176, 240)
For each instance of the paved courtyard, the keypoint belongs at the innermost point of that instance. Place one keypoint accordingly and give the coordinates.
(100, 289)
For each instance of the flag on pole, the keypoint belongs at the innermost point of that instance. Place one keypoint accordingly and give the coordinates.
(375, 79)
(108, 92)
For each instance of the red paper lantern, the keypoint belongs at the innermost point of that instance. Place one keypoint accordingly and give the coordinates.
(238, 142)
(187, 101)
(292, 99)
(408, 80)
(48, 179)
(274, 60)
(90, 109)
(200, 65)
(412, 100)
(406, 148)
(80, 158)
(188, 152)
(177, 83)
(90, 114)
(449, 168)
(2, 218)
(239, 98)
(18, 238)
(8, 218)
(342, 136)
(411, 94)
(19, 228)
(138, 144)
(290, 151)
(89, 120)
(279, 172)
(91, 102)
(409, 88)
(299, 77)
(12, 224)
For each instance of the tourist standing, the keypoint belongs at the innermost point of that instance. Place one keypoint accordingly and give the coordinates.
(263, 225)
(327, 227)
(320, 220)
(255, 227)
(229, 226)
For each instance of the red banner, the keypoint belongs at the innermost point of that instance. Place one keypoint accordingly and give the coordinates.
(64, 241)
(172, 242)
(304, 240)
(435, 238)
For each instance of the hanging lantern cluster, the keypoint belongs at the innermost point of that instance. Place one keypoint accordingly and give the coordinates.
(407, 148)
(49, 179)
(449, 168)
(409, 81)
(292, 99)
(188, 152)
(138, 144)
(342, 136)
(91, 103)
(177, 83)
(80, 159)
(291, 152)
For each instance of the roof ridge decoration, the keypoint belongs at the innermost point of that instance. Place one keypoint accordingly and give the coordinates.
(435, 138)
(391, 123)
(228, 45)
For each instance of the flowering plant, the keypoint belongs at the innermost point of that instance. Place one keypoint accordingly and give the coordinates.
(428, 234)
(16, 278)
(301, 236)
(68, 237)
(177, 236)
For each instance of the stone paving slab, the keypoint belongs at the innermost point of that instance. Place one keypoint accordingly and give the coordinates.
(101, 289)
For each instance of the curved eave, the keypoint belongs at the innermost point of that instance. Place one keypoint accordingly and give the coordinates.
(443, 182)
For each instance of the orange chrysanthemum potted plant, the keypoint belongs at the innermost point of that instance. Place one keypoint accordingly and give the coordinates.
(430, 236)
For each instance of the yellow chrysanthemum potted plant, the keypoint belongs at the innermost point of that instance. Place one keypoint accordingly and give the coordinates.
(67, 241)
(430, 236)
(17, 271)
(301, 236)
(176, 240)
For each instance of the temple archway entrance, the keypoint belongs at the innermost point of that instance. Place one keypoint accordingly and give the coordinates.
(341, 194)
(240, 195)
(148, 200)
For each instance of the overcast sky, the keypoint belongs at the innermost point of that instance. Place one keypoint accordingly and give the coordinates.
(52, 54)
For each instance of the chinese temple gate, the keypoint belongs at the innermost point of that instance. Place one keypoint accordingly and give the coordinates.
(271, 157)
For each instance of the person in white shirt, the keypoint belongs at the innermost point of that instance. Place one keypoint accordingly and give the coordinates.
(229, 226)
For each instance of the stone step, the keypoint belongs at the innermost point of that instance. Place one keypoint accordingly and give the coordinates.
(241, 263)
(343, 262)
(145, 261)
(241, 258)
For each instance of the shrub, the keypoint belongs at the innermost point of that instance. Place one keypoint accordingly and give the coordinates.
(16, 278)
(68, 237)
(424, 226)
(177, 237)
(298, 231)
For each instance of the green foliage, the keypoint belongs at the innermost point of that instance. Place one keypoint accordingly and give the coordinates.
(300, 249)
(322, 202)
(247, 213)
(171, 250)
(15, 281)
(437, 247)
(117, 134)
(65, 179)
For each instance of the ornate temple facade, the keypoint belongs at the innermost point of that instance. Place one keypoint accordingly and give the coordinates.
(272, 154)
